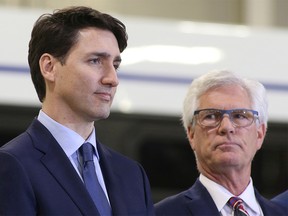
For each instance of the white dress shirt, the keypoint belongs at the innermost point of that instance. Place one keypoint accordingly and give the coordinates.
(221, 195)
(70, 142)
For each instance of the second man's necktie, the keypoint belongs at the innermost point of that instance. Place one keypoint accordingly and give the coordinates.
(237, 205)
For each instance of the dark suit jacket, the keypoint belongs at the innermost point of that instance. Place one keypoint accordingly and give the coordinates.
(282, 199)
(37, 178)
(197, 201)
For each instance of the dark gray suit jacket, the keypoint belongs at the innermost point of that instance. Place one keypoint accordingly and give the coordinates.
(197, 201)
(37, 178)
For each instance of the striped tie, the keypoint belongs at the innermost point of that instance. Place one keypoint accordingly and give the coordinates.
(237, 205)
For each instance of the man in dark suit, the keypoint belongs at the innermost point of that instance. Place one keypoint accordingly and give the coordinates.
(74, 54)
(225, 118)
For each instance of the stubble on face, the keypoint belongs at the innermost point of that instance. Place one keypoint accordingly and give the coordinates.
(86, 83)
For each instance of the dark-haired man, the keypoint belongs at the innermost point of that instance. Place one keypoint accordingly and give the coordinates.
(73, 56)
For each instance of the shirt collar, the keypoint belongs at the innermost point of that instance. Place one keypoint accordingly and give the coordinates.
(69, 140)
(248, 196)
(221, 195)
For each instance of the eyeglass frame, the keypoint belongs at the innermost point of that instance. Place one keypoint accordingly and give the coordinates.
(254, 112)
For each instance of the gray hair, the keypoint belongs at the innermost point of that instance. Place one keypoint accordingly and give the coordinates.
(214, 79)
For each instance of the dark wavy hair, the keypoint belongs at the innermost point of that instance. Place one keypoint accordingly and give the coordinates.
(57, 33)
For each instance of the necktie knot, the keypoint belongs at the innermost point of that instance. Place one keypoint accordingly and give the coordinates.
(237, 205)
(87, 152)
(235, 202)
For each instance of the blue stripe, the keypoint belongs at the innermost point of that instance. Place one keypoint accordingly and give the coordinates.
(157, 79)
(6, 68)
(276, 87)
(148, 78)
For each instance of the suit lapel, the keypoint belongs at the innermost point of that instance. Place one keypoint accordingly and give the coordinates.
(58, 164)
(112, 179)
(199, 202)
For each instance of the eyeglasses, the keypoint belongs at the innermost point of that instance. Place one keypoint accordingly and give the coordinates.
(213, 117)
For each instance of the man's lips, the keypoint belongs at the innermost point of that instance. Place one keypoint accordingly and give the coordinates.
(226, 145)
(104, 95)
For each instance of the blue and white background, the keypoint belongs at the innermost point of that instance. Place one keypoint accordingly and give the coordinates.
(162, 58)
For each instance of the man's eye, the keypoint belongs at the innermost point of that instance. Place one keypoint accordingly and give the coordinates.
(210, 116)
(240, 116)
(95, 60)
(116, 66)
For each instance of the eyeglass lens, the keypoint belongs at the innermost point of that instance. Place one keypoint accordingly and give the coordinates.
(212, 117)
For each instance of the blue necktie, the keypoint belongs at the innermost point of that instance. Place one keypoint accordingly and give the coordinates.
(91, 181)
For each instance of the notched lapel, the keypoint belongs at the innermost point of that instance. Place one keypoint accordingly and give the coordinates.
(199, 201)
(60, 167)
(111, 181)
(198, 208)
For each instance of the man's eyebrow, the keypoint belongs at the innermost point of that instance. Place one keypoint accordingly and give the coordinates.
(107, 55)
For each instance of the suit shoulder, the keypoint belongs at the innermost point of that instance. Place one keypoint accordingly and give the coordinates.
(269, 207)
(281, 199)
(17, 144)
(173, 199)
(23, 141)
(171, 205)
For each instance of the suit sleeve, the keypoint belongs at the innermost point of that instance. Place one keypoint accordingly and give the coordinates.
(16, 194)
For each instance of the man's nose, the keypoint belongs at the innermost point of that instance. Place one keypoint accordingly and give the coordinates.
(110, 77)
(226, 125)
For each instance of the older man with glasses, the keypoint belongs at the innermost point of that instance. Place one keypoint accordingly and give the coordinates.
(225, 118)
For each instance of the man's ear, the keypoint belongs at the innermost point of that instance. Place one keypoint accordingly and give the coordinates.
(47, 64)
(190, 135)
(261, 133)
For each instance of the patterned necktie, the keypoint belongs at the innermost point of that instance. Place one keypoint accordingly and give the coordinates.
(237, 205)
(91, 181)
